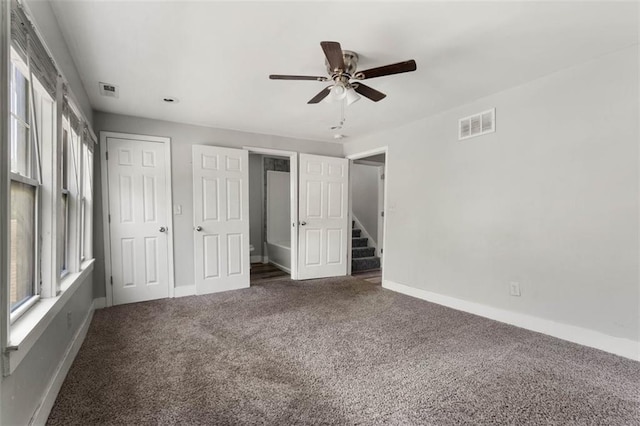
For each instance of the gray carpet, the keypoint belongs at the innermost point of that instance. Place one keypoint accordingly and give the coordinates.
(333, 351)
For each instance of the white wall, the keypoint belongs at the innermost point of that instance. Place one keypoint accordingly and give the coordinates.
(278, 207)
(364, 198)
(550, 200)
(183, 136)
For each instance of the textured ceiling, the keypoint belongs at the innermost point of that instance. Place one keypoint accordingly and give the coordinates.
(215, 57)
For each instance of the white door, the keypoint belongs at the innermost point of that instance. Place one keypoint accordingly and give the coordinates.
(138, 219)
(221, 218)
(323, 216)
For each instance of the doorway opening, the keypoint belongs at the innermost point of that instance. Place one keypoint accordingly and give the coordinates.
(367, 179)
(272, 214)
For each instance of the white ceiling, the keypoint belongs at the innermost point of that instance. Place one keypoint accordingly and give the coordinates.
(215, 57)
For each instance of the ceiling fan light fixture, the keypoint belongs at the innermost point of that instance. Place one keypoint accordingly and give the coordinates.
(351, 96)
(338, 91)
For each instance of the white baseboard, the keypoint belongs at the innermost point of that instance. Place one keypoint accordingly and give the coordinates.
(281, 267)
(100, 302)
(184, 290)
(225, 287)
(624, 347)
(256, 258)
(44, 409)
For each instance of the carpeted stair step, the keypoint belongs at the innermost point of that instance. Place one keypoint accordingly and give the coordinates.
(357, 252)
(365, 263)
(359, 242)
(355, 233)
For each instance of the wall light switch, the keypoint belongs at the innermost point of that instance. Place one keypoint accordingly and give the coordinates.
(177, 209)
(514, 288)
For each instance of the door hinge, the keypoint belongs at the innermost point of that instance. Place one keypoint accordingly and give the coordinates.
(382, 176)
(107, 155)
(382, 214)
(381, 251)
(109, 218)
(111, 280)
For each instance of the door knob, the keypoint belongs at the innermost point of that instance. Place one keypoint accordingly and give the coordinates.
(163, 229)
(303, 223)
(198, 228)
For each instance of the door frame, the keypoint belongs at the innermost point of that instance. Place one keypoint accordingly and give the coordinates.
(293, 179)
(106, 230)
(356, 156)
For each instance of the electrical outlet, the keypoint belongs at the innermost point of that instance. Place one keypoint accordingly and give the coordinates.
(68, 320)
(514, 289)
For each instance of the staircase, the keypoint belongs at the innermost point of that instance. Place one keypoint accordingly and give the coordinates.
(363, 257)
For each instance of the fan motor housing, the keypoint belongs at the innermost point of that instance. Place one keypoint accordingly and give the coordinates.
(350, 63)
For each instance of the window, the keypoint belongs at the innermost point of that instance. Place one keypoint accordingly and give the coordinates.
(24, 192)
(86, 207)
(48, 199)
(63, 236)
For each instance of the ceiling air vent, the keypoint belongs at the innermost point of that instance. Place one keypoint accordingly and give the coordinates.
(110, 90)
(477, 124)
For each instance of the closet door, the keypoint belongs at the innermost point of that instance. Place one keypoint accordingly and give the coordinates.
(323, 216)
(221, 218)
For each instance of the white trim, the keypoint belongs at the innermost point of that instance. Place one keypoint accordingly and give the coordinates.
(106, 232)
(105, 206)
(256, 258)
(44, 408)
(184, 290)
(100, 302)
(583, 336)
(281, 267)
(26, 331)
(380, 206)
(293, 176)
(169, 207)
(23, 308)
(363, 154)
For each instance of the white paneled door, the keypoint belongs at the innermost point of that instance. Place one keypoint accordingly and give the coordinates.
(323, 216)
(138, 219)
(221, 218)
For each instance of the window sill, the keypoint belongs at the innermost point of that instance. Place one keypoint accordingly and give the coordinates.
(27, 329)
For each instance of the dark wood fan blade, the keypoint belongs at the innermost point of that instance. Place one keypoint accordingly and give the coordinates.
(297, 77)
(320, 96)
(369, 92)
(333, 52)
(398, 68)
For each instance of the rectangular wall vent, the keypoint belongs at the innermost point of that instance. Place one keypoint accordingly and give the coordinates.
(477, 124)
(107, 89)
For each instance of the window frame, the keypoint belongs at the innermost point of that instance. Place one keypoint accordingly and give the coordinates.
(86, 198)
(63, 162)
(71, 240)
(17, 62)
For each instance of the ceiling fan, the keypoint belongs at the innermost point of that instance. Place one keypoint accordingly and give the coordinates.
(342, 66)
